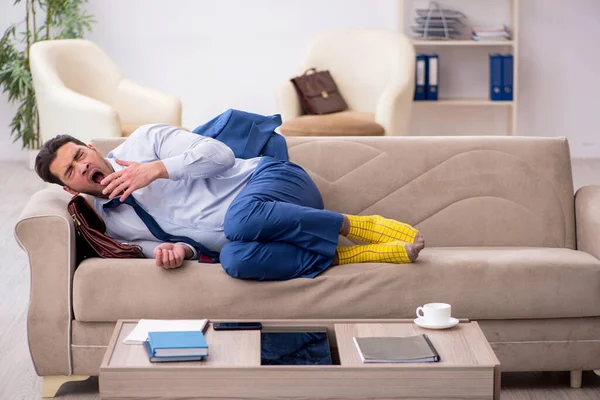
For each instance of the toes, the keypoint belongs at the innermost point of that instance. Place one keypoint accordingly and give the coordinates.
(412, 251)
(419, 241)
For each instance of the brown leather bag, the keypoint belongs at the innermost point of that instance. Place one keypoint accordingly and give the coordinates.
(318, 92)
(91, 240)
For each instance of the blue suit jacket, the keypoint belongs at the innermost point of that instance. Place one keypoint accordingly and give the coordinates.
(248, 135)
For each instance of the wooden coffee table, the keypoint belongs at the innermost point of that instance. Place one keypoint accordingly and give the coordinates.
(468, 368)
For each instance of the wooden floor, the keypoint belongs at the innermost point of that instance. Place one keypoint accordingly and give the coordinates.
(18, 380)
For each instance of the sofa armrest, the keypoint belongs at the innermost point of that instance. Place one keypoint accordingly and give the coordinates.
(587, 217)
(140, 105)
(394, 109)
(288, 104)
(394, 106)
(46, 232)
(66, 111)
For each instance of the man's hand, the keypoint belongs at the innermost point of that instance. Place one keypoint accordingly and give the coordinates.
(169, 255)
(135, 176)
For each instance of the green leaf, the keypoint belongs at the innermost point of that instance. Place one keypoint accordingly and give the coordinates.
(68, 19)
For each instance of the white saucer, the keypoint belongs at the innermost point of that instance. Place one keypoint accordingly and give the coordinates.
(423, 324)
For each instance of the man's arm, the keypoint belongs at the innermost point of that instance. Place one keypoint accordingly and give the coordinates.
(189, 155)
(181, 154)
(166, 255)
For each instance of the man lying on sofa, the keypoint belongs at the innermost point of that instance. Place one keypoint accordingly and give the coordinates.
(265, 216)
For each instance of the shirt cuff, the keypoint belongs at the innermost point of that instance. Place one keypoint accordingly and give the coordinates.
(195, 253)
(175, 167)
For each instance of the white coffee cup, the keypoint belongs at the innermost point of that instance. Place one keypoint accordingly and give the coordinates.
(435, 313)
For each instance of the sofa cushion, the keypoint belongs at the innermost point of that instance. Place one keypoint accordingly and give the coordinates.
(345, 123)
(480, 283)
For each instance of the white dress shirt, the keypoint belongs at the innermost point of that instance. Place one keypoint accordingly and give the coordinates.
(204, 178)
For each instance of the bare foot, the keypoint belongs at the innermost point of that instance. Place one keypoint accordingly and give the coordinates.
(419, 241)
(412, 250)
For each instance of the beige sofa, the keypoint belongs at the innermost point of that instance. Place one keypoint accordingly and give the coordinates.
(498, 214)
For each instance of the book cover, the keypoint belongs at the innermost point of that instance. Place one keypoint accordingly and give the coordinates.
(170, 359)
(396, 349)
(184, 343)
(140, 333)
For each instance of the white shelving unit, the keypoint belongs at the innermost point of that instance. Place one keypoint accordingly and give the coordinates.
(487, 43)
(487, 11)
(466, 102)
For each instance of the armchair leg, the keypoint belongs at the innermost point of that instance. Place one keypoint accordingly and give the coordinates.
(52, 383)
(576, 379)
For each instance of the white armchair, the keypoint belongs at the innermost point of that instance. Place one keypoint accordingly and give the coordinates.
(374, 71)
(81, 92)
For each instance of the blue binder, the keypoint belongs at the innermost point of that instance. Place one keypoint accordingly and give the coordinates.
(496, 86)
(432, 76)
(421, 77)
(507, 74)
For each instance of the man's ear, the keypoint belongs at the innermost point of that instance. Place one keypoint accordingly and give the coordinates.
(92, 147)
(68, 189)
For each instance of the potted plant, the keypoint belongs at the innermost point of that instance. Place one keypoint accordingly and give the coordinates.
(44, 20)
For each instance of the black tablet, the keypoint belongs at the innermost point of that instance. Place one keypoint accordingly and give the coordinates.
(295, 346)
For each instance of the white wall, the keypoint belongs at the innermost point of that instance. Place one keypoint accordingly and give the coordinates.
(560, 72)
(235, 53)
(222, 54)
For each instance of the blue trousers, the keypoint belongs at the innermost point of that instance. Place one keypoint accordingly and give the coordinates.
(277, 228)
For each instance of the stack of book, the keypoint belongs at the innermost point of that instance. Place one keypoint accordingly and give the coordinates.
(171, 340)
(498, 33)
(176, 346)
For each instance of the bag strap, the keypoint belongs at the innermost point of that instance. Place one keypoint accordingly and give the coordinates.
(314, 70)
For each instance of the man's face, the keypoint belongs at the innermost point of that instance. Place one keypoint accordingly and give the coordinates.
(81, 169)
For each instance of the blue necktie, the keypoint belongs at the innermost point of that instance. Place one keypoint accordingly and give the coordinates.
(204, 254)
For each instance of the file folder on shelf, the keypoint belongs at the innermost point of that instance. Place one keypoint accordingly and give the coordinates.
(496, 84)
(507, 77)
(421, 77)
(432, 76)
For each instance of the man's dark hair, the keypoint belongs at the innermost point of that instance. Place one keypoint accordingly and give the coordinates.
(48, 153)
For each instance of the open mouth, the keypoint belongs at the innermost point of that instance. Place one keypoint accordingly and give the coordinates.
(96, 176)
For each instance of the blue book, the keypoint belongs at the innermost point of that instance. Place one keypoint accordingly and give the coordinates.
(170, 359)
(507, 74)
(432, 76)
(183, 343)
(421, 77)
(496, 85)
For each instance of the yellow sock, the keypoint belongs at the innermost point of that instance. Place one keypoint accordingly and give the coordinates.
(376, 229)
(392, 252)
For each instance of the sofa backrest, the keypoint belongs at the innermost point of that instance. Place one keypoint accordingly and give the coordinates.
(460, 191)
